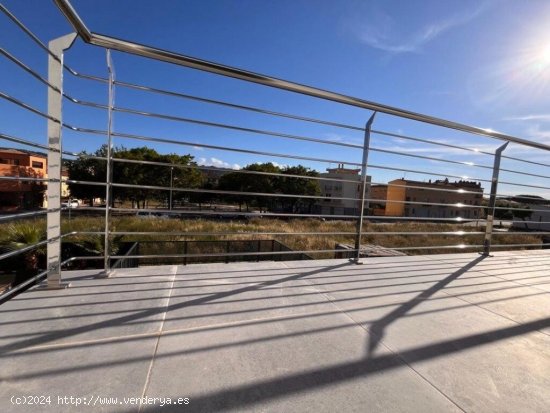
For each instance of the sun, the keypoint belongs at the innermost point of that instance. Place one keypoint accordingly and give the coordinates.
(544, 55)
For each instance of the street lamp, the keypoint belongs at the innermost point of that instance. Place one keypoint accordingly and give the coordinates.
(171, 184)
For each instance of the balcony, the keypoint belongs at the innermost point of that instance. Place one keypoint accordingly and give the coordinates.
(125, 304)
(454, 332)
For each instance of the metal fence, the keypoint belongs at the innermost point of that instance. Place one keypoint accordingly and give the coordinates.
(370, 155)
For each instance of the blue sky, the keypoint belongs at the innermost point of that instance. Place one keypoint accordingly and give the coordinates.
(484, 63)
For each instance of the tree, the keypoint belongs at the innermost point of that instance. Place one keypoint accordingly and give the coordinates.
(206, 196)
(269, 184)
(33, 196)
(243, 182)
(180, 177)
(234, 181)
(298, 186)
(508, 210)
(140, 174)
(22, 235)
(86, 168)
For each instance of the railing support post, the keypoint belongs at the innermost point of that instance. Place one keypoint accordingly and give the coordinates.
(492, 201)
(363, 189)
(109, 169)
(55, 160)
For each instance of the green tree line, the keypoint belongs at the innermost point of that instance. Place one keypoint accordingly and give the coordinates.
(144, 167)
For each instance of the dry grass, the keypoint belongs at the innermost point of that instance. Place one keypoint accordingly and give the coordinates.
(243, 230)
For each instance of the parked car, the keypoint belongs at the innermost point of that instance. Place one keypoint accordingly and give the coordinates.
(70, 204)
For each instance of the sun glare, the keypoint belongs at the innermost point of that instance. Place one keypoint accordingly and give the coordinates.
(545, 55)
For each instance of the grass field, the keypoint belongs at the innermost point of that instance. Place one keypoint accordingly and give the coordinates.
(380, 233)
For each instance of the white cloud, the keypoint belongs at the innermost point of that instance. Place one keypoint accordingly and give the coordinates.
(539, 117)
(277, 164)
(535, 132)
(217, 163)
(405, 146)
(335, 137)
(198, 148)
(380, 33)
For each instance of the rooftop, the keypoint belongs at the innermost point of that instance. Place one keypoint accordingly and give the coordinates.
(14, 151)
(456, 332)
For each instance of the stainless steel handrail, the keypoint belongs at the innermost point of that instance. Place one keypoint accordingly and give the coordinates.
(367, 200)
(187, 61)
(303, 138)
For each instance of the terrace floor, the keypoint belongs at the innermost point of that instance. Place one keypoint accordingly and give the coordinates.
(440, 333)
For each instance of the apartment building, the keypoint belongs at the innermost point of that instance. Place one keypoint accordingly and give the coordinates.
(463, 199)
(22, 194)
(340, 187)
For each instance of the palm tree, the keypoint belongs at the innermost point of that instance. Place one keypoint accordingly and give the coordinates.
(23, 235)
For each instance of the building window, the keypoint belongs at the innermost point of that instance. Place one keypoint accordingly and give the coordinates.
(36, 164)
(9, 161)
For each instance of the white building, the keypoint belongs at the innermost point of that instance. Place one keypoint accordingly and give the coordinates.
(340, 187)
(541, 217)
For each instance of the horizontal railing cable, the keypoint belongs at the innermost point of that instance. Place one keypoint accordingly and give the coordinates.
(310, 139)
(40, 44)
(233, 213)
(22, 250)
(222, 233)
(24, 142)
(13, 290)
(272, 154)
(234, 127)
(232, 254)
(232, 72)
(305, 119)
(240, 150)
(22, 215)
(28, 107)
(282, 135)
(28, 69)
(237, 106)
(27, 31)
(277, 174)
(421, 172)
(24, 178)
(225, 192)
(240, 171)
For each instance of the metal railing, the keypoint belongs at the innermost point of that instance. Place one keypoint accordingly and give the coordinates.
(359, 206)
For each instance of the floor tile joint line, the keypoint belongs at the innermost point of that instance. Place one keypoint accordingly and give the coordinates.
(396, 353)
(150, 370)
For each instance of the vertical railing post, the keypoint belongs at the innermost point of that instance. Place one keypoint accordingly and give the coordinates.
(362, 189)
(492, 201)
(109, 169)
(185, 252)
(55, 159)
